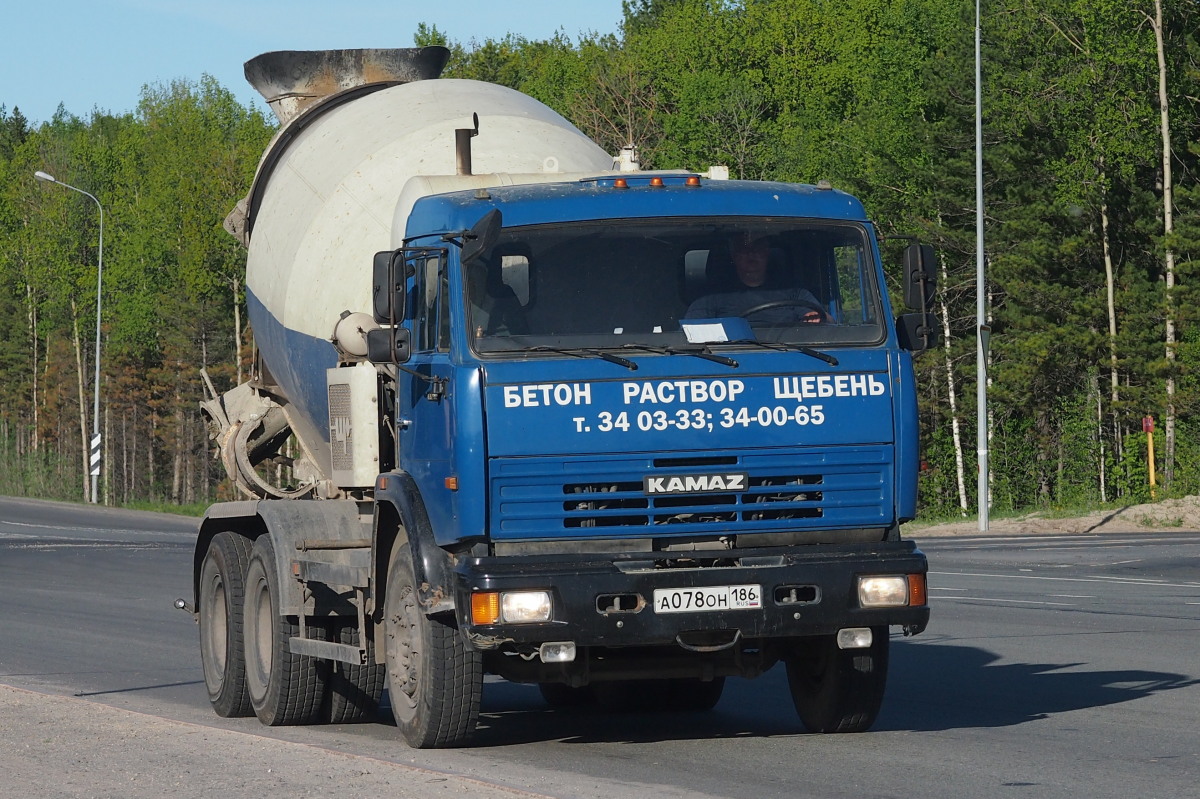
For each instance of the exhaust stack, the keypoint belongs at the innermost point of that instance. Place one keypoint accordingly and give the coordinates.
(462, 146)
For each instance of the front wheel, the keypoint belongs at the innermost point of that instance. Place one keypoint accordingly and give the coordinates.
(435, 680)
(838, 690)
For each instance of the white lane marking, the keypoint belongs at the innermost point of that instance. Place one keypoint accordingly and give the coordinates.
(1089, 579)
(1008, 601)
(80, 528)
(37, 526)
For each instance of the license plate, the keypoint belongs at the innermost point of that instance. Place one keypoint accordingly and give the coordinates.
(700, 600)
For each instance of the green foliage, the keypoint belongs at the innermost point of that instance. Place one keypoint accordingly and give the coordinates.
(43, 473)
(876, 96)
(165, 178)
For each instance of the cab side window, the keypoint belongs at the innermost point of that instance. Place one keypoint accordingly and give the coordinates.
(432, 303)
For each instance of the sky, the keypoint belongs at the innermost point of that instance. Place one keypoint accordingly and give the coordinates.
(97, 54)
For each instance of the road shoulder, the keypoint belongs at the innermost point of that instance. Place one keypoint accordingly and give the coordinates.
(86, 749)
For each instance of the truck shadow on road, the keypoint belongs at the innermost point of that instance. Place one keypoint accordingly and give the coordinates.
(931, 687)
(935, 686)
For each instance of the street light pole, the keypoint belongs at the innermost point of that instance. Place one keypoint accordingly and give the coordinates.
(95, 454)
(983, 329)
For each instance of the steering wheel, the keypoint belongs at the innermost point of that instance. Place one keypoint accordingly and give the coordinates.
(791, 303)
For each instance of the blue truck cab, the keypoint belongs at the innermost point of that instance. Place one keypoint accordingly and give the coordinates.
(614, 482)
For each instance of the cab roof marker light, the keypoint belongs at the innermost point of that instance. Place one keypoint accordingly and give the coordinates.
(657, 182)
(692, 180)
(620, 183)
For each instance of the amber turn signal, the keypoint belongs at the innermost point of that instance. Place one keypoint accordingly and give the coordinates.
(917, 594)
(485, 608)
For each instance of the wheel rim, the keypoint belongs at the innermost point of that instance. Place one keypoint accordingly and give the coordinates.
(258, 638)
(404, 673)
(214, 628)
(218, 626)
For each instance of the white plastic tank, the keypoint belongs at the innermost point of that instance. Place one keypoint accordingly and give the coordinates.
(325, 200)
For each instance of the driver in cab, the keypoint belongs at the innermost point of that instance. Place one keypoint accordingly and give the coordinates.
(752, 295)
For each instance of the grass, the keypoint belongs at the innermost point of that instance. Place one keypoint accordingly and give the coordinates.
(1056, 511)
(931, 519)
(1157, 521)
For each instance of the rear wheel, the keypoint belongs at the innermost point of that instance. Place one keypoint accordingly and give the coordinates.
(434, 679)
(354, 689)
(839, 690)
(284, 688)
(220, 598)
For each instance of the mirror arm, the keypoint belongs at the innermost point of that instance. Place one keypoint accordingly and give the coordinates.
(459, 238)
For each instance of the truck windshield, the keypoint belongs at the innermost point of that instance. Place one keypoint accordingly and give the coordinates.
(674, 282)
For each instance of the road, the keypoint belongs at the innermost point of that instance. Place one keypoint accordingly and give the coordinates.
(1054, 666)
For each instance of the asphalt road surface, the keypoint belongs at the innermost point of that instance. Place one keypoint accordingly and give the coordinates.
(1053, 666)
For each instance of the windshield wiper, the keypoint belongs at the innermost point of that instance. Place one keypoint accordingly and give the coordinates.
(699, 352)
(782, 346)
(584, 352)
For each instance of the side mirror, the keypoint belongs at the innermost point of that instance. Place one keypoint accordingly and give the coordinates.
(388, 345)
(389, 276)
(920, 276)
(482, 236)
(917, 332)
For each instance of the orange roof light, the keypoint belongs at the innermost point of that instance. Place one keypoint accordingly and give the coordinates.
(656, 181)
(620, 183)
(693, 180)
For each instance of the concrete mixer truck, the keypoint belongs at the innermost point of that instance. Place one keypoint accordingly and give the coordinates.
(520, 408)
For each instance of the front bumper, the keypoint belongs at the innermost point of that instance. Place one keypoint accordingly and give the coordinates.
(807, 591)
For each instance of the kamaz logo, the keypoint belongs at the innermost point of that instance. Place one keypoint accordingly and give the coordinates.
(694, 483)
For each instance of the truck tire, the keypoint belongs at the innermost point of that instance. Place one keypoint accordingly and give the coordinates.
(434, 679)
(284, 688)
(219, 599)
(354, 690)
(839, 690)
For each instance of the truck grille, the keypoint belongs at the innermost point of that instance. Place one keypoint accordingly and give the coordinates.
(799, 489)
(588, 505)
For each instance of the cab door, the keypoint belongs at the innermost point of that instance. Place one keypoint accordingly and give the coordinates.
(425, 427)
